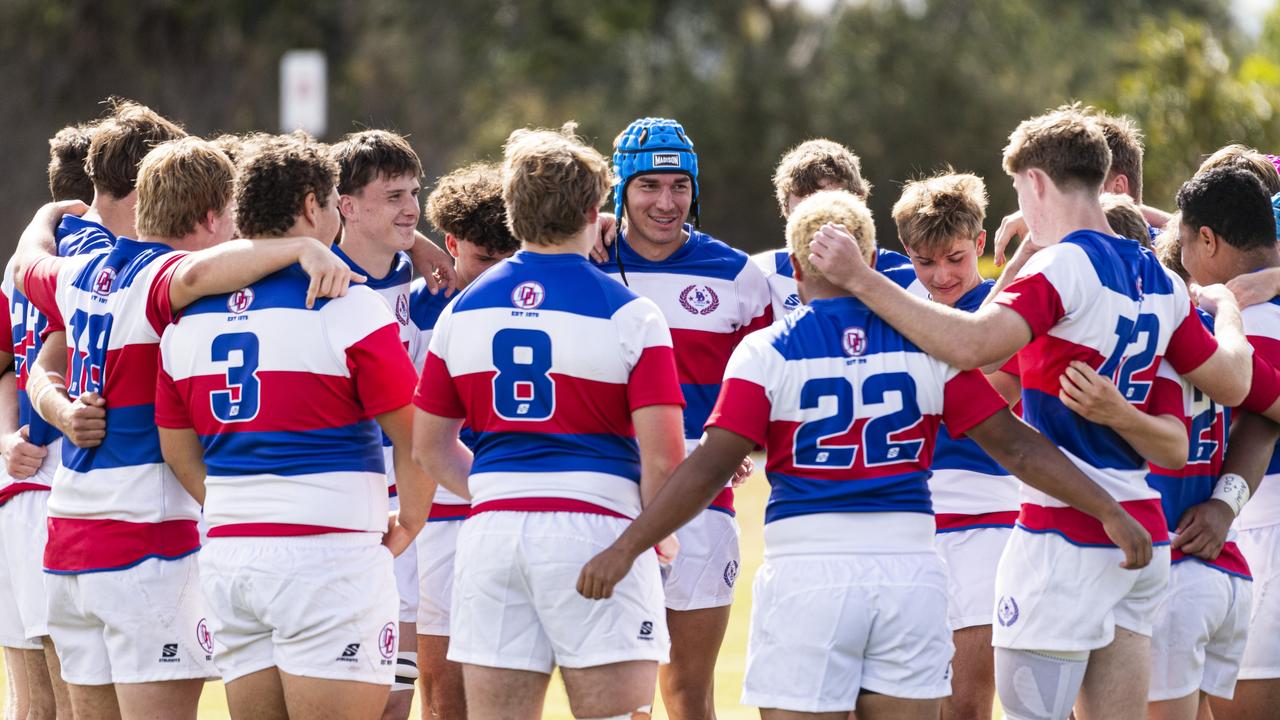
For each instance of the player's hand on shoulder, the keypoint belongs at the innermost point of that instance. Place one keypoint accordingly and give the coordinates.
(22, 458)
(436, 267)
(1129, 535)
(608, 233)
(1091, 396)
(1211, 298)
(84, 421)
(1202, 529)
(330, 275)
(603, 572)
(835, 253)
(1255, 288)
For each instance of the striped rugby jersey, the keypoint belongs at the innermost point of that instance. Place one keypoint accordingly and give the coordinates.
(283, 398)
(545, 358)
(712, 296)
(76, 236)
(1262, 326)
(847, 410)
(1107, 302)
(784, 297)
(970, 490)
(1207, 424)
(117, 504)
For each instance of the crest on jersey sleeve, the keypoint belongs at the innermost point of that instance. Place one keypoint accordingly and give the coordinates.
(792, 302)
(240, 300)
(528, 295)
(699, 299)
(854, 341)
(1007, 610)
(105, 279)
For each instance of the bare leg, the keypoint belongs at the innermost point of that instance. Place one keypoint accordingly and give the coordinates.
(41, 703)
(776, 714)
(1253, 699)
(443, 694)
(333, 699)
(400, 702)
(873, 706)
(608, 690)
(16, 670)
(498, 694)
(973, 679)
(94, 702)
(171, 699)
(1116, 682)
(688, 682)
(61, 695)
(257, 696)
(1183, 708)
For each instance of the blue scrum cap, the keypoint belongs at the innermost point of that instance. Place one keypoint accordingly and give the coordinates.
(653, 145)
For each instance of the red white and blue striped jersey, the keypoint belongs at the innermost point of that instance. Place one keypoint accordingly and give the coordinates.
(1262, 326)
(545, 358)
(283, 398)
(847, 410)
(117, 504)
(970, 490)
(1206, 423)
(1105, 301)
(76, 236)
(785, 297)
(712, 296)
(424, 312)
(393, 288)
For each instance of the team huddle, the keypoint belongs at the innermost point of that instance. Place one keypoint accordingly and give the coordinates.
(242, 442)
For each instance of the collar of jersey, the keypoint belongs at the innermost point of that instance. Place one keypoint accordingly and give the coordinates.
(537, 257)
(73, 223)
(687, 249)
(838, 304)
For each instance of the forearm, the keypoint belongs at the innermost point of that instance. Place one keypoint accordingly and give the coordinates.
(232, 265)
(38, 240)
(46, 383)
(437, 450)
(414, 488)
(1010, 272)
(1252, 443)
(1235, 372)
(661, 440)
(8, 399)
(1161, 439)
(185, 457)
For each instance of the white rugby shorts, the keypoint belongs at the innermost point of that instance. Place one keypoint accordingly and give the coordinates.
(1056, 596)
(706, 568)
(1261, 548)
(24, 605)
(971, 557)
(1198, 636)
(141, 624)
(437, 547)
(319, 606)
(515, 598)
(825, 627)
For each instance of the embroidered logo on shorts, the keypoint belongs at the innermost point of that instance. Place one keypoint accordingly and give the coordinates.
(205, 639)
(646, 630)
(169, 653)
(1007, 610)
(731, 573)
(387, 641)
(349, 653)
(699, 299)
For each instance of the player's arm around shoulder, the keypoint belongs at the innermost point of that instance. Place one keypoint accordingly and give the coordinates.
(439, 415)
(39, 240)
(1158, 435)
(1222, 364)
(238, 263)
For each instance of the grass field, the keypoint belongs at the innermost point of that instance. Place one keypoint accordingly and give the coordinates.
(733, 655)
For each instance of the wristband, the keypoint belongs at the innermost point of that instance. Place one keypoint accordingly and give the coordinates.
(1232, 490)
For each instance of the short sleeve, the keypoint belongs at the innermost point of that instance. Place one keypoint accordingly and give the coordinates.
(437, 392)
(1166, 393)
(160, 310)
(171, 409)
(754, 299)
(743, 406)
(647, 348)
(1049, 287)
(41, 286)
(967, 400)
(1191, 344)
(381, 370)
(6, 325)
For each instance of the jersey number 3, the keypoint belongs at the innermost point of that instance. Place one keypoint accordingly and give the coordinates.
(241, 400)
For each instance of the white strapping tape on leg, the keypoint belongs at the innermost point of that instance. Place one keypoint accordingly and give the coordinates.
(406, 671)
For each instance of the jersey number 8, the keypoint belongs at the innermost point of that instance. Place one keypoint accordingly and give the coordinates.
(523, 388)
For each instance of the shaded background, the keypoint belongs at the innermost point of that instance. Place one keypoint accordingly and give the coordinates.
(911, 85)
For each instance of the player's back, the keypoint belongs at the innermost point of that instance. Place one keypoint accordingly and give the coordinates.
(1105, 301)
(282, 398)
(547, 356)
(848, 410)
(777, 270)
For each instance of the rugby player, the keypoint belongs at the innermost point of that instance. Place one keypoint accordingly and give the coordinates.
(568, 380)
(276, 404)
(712, 296)
(1084, 296)
(466, 207)
(851, 602)
(118, 519)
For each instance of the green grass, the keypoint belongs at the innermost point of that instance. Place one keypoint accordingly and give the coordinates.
(733, 655)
